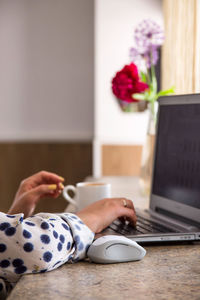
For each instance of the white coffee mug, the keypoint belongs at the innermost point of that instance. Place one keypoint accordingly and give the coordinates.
(86, 193)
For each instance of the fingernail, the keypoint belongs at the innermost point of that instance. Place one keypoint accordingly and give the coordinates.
(52, 187)
(61, 178)
(61, 186)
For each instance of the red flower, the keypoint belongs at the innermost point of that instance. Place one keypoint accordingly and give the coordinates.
(127, 82)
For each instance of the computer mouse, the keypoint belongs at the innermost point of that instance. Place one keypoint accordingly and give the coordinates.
(114, 249)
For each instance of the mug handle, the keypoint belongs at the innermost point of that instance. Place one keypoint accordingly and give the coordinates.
(67, 196)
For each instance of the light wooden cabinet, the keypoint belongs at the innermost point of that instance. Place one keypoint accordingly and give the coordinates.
(181, 51)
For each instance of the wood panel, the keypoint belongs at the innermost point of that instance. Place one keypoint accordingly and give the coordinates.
(180, 53)
(73, 161)
(124, 160)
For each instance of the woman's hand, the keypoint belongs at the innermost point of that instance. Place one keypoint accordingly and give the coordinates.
(32, 189)
(102, 213)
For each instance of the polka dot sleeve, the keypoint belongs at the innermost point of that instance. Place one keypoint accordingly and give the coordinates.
(39, 244)
(82, 236)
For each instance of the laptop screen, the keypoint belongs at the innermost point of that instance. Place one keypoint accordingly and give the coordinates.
(176, 173)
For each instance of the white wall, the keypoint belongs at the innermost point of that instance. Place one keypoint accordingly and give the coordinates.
(114, 28)
(115, 21)
(46, 69)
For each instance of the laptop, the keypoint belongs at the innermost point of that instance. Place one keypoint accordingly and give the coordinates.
(174, 210)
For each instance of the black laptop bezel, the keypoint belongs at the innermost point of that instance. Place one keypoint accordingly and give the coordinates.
(158, 203)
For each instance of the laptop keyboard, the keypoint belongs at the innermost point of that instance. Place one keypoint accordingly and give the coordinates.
(144, 226)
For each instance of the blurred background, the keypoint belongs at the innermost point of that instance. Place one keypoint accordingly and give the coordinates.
(57, 60)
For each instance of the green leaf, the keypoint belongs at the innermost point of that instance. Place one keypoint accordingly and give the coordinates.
(143, 77)
(166, 92)
(154, 84)
(139, 96)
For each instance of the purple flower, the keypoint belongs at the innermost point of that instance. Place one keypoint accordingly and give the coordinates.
(137, 58)
(144, 60)
(148, 34)
(148, 38)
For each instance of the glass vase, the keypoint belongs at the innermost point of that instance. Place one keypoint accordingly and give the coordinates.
(147, 156)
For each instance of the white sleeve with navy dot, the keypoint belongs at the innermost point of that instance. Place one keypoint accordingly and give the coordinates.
(38, 244)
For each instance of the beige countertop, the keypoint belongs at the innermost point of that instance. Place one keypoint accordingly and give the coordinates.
(166, 272)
